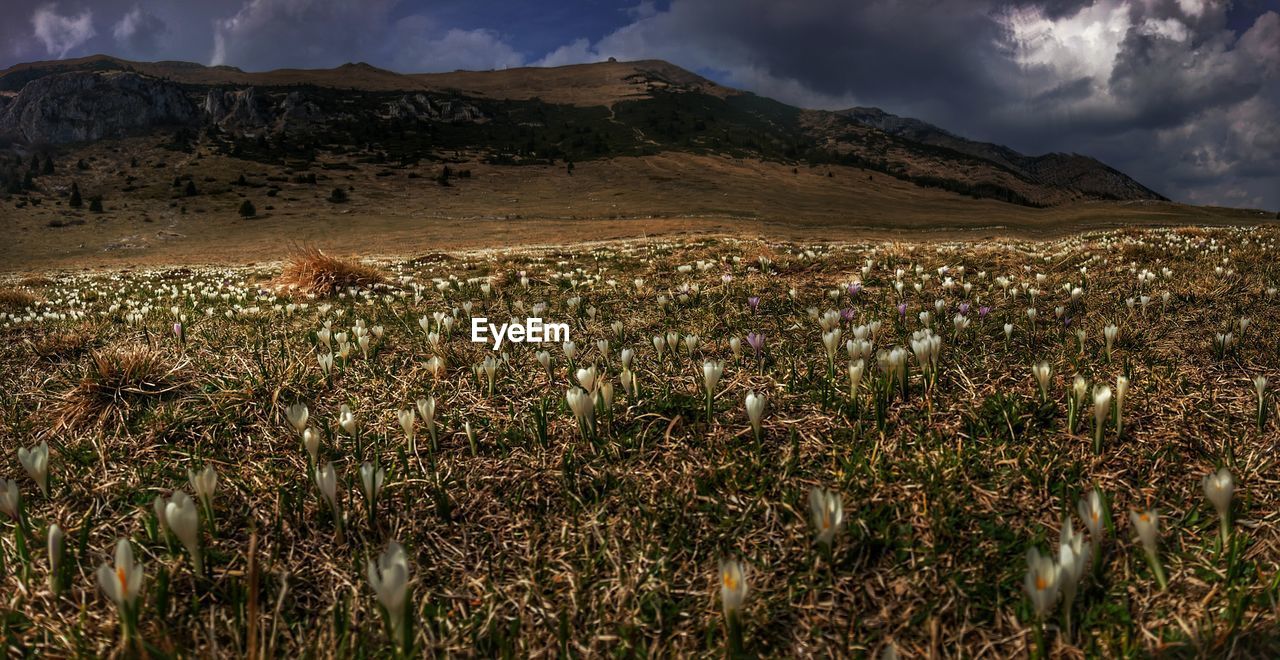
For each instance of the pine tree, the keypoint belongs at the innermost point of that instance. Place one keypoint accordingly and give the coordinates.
(75, 202)
(191, 189)
(247, 210)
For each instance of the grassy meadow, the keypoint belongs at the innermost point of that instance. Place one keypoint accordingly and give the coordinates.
(1060, 448)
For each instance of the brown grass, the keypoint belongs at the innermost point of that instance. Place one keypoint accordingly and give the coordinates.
(63, 344)
(310, 270)
(15, 299)
(668, 194)
(115, 384)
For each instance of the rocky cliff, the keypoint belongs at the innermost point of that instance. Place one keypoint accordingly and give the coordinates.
(91, 105)
(82, 106)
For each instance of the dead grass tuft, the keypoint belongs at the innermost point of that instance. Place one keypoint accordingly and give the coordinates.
(16, 299)
(64, 344)
(115, 384)
(310, 270)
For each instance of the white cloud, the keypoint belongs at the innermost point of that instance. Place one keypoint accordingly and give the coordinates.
(300, 33)
(61, 34)
(421, 46)
(139, 31)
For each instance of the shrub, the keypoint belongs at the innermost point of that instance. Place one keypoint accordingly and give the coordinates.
(247, 210)
(76, 201)
(338, 196)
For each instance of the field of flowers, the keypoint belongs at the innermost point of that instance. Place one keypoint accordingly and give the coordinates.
(1060, 448)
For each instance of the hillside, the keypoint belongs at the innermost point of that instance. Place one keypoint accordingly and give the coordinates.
(514, 117)
(166, 206)
(1069, 171)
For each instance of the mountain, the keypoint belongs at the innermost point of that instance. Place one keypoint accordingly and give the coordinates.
(580, 113)
(1072, 171)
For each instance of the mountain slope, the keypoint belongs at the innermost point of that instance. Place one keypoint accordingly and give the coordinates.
(513, 117)
(1072, 171)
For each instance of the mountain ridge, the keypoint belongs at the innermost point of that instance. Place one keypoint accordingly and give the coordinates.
(576, 113)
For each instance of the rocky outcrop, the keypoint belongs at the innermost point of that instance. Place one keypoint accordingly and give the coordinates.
(83, 106)
(235, 109)
(424, 108)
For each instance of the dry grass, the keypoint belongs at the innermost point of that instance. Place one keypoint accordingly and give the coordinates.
(13, 299)
(116, 383)
(63, 343)
(536, 542)
(667, 194)
(310, 271)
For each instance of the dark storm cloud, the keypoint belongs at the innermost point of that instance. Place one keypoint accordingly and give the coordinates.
(1163, 89)
(1182, 94)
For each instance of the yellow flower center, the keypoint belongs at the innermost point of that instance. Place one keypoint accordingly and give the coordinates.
(730, 582)
(1041, 583)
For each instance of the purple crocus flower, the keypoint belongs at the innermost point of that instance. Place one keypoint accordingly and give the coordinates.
(855, 288)
(964, 308)
(847, 314)
(177, 332)
(983, 311)
(754, 303)
(726, 278)
(902, 309)
(756, 342)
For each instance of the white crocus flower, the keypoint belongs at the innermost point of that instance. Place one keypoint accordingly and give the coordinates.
(371, 480)
(347, 420)
(406, 417)
(10, 499)
(298, 414)
(327, 482)
(311, 441)
(755, 411)
(36, 462)
(733, 587)
(57, 551)
(1147, 525)
(1043, 372)
(1073, 557)
(583, 406)
(122, 582)
(389, 579)
(1041, 582)
(826, 511)
(427, 410)
(1122, 389)
(1218, 488)
(205, 484)
(1101, 408)
(182, 518)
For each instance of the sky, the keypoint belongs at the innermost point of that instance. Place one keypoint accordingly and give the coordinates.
(1184, 95)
